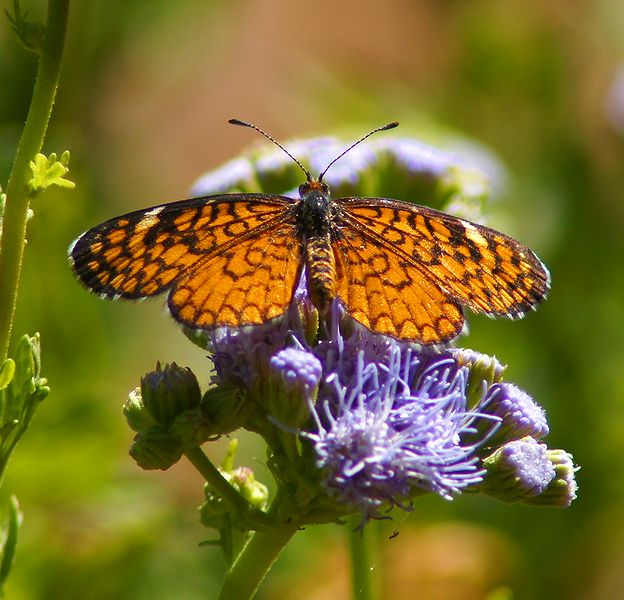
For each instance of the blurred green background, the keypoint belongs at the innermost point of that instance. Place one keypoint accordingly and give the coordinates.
(146, 90)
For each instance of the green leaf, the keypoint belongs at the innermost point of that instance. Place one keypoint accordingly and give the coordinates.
(49, 171)
(30, 34)
(7, 371)
(22, 395)
(9, 531)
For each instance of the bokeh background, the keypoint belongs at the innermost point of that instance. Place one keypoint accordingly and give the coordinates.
(146, 90)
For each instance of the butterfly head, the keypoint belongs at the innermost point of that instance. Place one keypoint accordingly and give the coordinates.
(313, 187)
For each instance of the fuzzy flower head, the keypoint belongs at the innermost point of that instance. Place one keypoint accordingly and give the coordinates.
(386, 431)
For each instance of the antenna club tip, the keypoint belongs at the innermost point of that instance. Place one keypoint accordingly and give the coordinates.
(238, 122)
(390, 125)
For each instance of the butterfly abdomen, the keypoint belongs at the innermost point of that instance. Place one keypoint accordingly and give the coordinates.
(321, 272)
(313, 218)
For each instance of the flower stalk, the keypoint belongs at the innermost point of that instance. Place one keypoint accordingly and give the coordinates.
(362, 549)
(255, 560)
(18, 194)
(221, 485)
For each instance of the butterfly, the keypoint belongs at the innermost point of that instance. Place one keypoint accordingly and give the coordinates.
(234, 260)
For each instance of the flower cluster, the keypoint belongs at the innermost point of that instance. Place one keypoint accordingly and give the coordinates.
(359, 422)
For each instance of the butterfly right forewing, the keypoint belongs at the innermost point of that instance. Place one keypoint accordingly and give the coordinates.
(474, 265)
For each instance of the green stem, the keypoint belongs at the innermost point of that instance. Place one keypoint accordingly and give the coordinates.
(256, 558)
(362, 547)
(221, 485)
(18, 195)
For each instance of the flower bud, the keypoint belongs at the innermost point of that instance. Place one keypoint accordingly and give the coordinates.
(518, 471)
(192, 428)
(169, 391)
(561, 491)
(518, 414)
(156, 448)
(225, 408)
(137, 416)
(483, 371)
(294, 379)
(214, 510)
(244, 480)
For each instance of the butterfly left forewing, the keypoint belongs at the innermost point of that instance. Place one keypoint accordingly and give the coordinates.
(144, 252)
(474, 265)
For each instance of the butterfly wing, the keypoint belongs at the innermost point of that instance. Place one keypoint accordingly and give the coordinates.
(147, 252)
(450, 262)
(141, 253)
(248, 283)
(389, 293)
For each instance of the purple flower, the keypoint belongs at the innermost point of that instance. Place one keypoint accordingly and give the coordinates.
(399, 164)
(518, 470)
(389, 423)
(415, 157)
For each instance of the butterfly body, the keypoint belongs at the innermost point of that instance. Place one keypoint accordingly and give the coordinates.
(315, 220)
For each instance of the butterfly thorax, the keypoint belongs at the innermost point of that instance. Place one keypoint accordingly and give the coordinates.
(314, 219)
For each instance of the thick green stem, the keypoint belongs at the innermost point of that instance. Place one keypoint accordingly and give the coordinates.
(255, 560)
(363, 549)
(16, 208)
(221, 485)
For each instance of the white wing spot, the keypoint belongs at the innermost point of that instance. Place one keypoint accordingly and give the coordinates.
(149, 218)
(472, 233)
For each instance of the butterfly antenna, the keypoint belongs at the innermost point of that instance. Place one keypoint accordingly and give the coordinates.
(268, 137)
(382, 128)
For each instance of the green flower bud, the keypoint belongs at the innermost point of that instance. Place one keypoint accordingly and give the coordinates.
(192, 428)
(244, 480)
(169, 391)
(156, 448)
(225, 408)
(484, 371)
(137, 416)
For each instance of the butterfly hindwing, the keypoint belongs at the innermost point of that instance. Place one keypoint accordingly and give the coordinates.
(389, 292)
(249, 283)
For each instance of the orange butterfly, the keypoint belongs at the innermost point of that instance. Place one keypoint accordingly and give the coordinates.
(235, 259)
